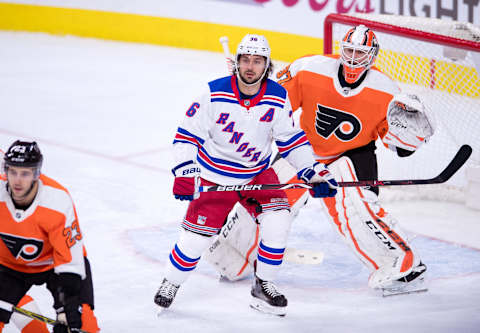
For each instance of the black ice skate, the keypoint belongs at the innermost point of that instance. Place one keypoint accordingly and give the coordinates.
(411, 283)
(165, 294)
(266, 298)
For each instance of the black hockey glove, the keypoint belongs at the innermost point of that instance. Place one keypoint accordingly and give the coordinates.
(69, 312)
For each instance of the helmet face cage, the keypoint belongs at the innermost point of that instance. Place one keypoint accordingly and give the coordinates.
(23, 154)
(254, 45)
(359, 49)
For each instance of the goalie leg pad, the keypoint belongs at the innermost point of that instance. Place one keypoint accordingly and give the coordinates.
(368, 229)
(235, 249)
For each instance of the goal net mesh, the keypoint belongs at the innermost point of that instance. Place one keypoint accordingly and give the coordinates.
(446, 79)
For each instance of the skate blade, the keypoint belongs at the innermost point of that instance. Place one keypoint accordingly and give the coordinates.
(404, 289)
(159, 310)
(264, 307)
(393, 292)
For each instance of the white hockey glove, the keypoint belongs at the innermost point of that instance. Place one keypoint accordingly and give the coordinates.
(187, 181)
(322, 181)
(409, 126)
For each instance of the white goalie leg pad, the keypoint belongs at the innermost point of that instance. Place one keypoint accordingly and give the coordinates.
(370, 231)
(235, 249)
(274, 229)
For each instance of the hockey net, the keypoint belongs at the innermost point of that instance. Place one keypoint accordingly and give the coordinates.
(439, 61)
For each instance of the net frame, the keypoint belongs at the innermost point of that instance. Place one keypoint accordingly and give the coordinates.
(457, 39)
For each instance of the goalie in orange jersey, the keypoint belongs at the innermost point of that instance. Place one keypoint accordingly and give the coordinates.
(346, 105)
(41, 243)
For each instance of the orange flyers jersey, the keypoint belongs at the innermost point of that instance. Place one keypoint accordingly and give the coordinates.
(43, 237)
(337, 119)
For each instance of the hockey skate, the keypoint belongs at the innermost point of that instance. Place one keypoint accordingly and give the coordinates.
(412, 283)
(266, 298)
(165, 294)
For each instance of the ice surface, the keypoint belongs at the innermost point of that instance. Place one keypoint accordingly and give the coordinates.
(105, 113)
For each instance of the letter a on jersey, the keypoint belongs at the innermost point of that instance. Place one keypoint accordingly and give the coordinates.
(26, 248)
(344, 125)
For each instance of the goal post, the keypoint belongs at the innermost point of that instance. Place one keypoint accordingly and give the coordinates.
(438, 60)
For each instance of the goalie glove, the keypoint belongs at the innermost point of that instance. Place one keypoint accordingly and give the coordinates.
(409, 126)
(187, 181)
(322, 181)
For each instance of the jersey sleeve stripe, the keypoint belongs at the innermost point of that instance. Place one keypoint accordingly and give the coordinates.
(298, 140)
(185, 136)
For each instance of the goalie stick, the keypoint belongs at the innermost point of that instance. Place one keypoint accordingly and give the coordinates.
(456, 163)
(39, 317)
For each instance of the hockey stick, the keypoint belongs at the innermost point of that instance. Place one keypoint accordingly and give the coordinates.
(226, 53)
(456, 163)
(41, 318)
(303, 256)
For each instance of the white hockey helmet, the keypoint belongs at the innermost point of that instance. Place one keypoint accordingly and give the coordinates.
(255, 45)
(359, 49)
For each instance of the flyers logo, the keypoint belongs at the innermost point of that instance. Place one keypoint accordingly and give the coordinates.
(26, 248)
(344, 125)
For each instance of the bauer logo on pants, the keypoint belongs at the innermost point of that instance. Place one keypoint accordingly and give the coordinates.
(343, 125)
(26, 248)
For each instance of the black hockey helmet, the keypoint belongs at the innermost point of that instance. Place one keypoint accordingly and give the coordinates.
(23, 154)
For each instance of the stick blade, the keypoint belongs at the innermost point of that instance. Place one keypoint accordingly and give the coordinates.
(463, 154)
(303, 257)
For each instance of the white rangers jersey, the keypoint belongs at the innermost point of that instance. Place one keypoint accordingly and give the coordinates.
(231, 138)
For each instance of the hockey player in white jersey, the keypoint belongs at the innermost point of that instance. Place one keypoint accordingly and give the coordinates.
(347, 104)
(226, 138)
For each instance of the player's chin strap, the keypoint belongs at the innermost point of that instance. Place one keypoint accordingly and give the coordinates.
(267, 64)
(253, 83)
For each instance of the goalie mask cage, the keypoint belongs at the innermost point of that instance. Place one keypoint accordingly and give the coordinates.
(440, 62)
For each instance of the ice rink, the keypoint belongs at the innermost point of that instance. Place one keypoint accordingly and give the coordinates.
(105, 113)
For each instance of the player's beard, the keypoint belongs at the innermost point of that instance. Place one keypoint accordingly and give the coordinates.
(20, 195)
(254, 79)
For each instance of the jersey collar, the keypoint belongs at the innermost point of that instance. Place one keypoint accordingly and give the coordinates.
(248, 103)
